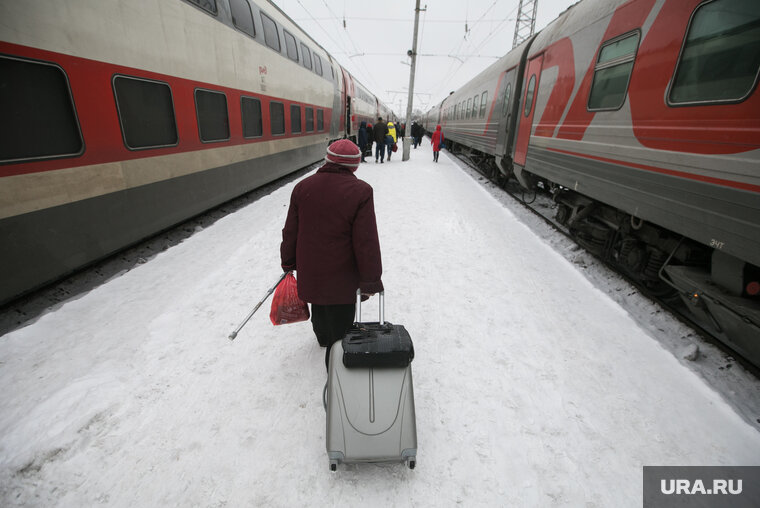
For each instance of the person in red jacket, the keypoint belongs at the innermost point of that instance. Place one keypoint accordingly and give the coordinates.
(330, 239)
(436, 141)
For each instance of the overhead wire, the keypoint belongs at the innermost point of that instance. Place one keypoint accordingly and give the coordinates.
(337, 44)
(455, 54)
(465, 48)
(370, 81)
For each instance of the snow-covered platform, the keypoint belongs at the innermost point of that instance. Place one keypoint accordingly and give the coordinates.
(533, 386)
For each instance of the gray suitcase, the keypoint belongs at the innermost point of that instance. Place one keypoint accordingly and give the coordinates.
(370, 411)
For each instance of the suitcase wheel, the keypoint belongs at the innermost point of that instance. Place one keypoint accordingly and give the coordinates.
(412, 462)
(333, 465)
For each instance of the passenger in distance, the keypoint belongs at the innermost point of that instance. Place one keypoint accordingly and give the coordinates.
(436, 141)
(390, 139)
(370, 139)
(380, 131)
(362, 139)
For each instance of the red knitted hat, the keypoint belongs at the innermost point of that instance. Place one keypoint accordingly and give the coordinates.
(344, 153)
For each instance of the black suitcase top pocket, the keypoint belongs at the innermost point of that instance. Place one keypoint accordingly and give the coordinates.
(377, 345)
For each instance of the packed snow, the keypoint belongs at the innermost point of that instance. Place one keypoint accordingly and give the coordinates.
(540, 378)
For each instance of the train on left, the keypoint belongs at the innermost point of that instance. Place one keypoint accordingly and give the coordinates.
(121, 119)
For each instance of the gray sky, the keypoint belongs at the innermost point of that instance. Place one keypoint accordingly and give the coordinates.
(377, 35)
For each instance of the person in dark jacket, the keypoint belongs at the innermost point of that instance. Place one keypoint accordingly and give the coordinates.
(416, 134)
(370, 139)
(362, 138)
(330, 239)
(380, 130)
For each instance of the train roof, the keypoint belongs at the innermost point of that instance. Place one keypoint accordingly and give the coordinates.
(573, 19)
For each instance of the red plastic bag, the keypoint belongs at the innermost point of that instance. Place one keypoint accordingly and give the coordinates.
(395, 147)
(286, 306)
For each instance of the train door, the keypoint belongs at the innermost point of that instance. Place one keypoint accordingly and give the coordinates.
(505, 113)
(348, 92)
(348, 116)
(337, 105)
(527, 109)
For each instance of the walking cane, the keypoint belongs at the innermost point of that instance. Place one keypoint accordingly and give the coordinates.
(271, 290)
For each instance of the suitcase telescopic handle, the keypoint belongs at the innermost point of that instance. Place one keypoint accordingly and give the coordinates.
(359, 307)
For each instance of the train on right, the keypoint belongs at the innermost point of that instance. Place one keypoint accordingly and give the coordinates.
(641, 119)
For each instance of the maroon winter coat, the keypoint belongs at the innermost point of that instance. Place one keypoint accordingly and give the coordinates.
(330, 237)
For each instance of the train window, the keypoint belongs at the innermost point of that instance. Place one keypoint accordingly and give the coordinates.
(242, 17)
(277, 117)
(507, 99)
(146, 112)
(720, 58)
(317, 64)
(306, 52)
(309, 119)
(251, 113)
(295, 118)
(213, 122)
(529, 93)
(206, 5)
(613, 72)
(320, 120)
(290, 46)
(468, 114)
(271, 36)
(483, 100)
(38, 119)
(475, 106)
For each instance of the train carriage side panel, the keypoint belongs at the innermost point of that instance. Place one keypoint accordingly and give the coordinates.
(363, 107)
(431, 119)
(640, 154)
(61, 212)
(470, 126)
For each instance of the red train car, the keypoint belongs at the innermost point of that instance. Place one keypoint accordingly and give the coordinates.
(642, 119)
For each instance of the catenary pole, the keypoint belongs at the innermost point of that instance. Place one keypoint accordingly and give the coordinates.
(407, 140)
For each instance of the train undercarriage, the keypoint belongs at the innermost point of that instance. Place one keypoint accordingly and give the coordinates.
(721, 292)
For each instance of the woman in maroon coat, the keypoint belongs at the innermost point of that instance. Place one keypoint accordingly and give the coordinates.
(330, 239)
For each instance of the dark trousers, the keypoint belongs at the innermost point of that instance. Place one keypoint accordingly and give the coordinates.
(330, 324)
(379, 151)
